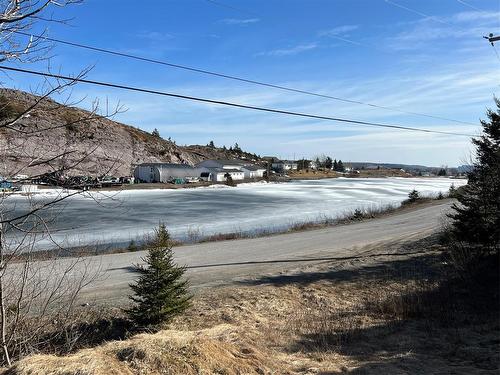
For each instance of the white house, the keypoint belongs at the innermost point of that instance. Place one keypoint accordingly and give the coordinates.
(253, 171)
(237, 169)
(222, 163)
(284, 165)
(220, 174)
(164, 172)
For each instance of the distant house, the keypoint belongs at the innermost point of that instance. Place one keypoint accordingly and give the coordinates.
(237, 169)
(166, 172)
(221, 174)
(253, 171)
(284, 165)
(223, 163)
(270, 159)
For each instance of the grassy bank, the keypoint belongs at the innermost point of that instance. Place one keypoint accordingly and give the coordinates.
(397, 309)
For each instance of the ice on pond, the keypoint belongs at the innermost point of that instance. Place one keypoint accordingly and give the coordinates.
(249, 207)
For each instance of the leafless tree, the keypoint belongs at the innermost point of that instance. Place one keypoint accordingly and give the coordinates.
(31, 288)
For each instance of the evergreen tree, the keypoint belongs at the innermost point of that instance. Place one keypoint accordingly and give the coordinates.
(155, 133)
(335, 165)
(328, 162)
(211, 144)
(318, 163)
(237, 148)
(477, 216)
(160, 293)
(229, 180)
(413, 196)
(303, 164)
(442, 172)
(340, 166)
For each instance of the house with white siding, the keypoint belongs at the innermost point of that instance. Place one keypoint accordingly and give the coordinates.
(222, 163)
(221, 174)
(166, 172)
(237, 169)
(253, 171)
(284, 165)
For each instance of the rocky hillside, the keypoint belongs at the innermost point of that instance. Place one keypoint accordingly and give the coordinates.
(91, 144)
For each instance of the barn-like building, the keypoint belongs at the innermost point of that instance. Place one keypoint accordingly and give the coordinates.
(166, 172)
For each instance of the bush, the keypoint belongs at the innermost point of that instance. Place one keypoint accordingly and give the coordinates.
(413, 196)
(229, 180)
(161, 292)
(132, 246)
(358, 214)
(9, 109)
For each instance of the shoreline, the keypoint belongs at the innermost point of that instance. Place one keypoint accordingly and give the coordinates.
(41, 189)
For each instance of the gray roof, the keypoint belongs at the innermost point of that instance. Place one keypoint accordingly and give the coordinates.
(167, 165)
(224, 170)
(253, 167)
(284, 162)
(231, 161)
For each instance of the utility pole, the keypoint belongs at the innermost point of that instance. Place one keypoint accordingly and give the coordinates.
(492, 38)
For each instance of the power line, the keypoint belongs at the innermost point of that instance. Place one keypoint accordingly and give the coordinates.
(416, 12)
(433, 18)
(220, 102)
(470, 6)
(240, 79)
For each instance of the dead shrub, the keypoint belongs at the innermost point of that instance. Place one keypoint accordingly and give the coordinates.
(65, 333)
(10, 109)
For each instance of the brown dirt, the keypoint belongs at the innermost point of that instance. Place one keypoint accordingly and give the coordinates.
(365, 173)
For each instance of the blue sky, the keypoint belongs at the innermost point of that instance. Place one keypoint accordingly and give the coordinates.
(428, 58)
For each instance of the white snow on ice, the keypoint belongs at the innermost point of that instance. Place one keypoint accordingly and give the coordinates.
(109, 217)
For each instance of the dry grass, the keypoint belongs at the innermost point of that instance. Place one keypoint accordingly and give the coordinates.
(167, 352)
(386, 315)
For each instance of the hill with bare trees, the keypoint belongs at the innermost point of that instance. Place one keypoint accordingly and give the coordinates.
(92, 143)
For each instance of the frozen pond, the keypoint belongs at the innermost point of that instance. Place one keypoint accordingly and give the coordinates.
(203, 211)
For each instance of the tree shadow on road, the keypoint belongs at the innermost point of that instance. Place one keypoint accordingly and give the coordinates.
(423, 267)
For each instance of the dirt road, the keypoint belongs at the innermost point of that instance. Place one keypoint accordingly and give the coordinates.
(216, 263)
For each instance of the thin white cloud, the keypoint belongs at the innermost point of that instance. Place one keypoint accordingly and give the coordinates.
(339, 30)
(155, 36)
(460, 27)
(236, 21)
(462, 89)
(475, 16)
(289, 51)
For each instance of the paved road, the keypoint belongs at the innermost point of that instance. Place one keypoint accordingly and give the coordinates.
(216, 263)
